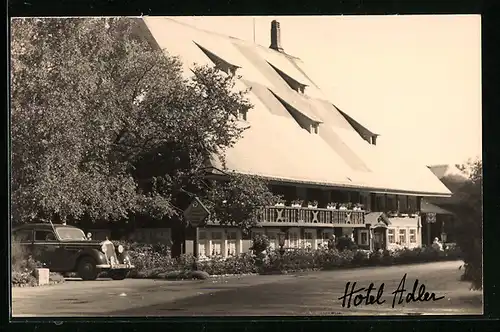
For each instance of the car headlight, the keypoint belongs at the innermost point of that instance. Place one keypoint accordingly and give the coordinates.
(120, 249)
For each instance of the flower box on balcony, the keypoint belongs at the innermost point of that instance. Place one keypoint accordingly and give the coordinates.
(280, 204)
(296, 205)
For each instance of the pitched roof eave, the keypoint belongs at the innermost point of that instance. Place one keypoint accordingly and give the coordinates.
(353, 187)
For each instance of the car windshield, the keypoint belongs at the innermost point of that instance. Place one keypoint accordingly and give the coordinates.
(66, 233)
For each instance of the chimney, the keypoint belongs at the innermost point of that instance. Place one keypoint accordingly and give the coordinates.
(276, 36)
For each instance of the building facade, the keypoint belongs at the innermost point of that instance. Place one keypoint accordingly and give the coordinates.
(333, 176)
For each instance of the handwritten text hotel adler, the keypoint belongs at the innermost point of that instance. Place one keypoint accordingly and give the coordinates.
(369, 299)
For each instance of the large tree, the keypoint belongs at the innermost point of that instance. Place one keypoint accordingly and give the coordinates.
(104, 124)
(469, 226)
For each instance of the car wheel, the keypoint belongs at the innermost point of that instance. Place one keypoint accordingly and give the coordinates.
(87, 269)
(118, 275)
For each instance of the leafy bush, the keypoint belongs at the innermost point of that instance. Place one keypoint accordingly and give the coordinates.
(150, 261)
(260, 243)
(149, 258)
(21, 260)
(23, 278)
(56, 278)
(346, 243)
(23, 266)
(242, 264)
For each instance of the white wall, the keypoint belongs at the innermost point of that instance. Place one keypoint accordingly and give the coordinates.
(407, 243)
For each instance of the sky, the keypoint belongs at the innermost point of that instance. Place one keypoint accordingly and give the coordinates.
(415, 80)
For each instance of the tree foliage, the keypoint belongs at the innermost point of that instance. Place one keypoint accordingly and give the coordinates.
(239, 200)
(469, 227)
(104, 123)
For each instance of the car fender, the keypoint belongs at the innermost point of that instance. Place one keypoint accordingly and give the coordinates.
(94, 253)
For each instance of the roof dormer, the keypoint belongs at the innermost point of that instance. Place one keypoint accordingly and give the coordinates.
(306, 122)
(292, 83)
(219, 63)
(366, 134)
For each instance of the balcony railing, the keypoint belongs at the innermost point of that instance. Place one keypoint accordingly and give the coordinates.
(289, 216)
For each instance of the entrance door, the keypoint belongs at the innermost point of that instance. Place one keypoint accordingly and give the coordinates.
(379, 236)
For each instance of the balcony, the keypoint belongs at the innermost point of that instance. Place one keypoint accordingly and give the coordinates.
(314, 217)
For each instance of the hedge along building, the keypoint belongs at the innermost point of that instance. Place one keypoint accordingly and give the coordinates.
(305, 146)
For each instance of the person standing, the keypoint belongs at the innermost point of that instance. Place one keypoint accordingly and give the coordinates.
(437, 245)
(331, 242)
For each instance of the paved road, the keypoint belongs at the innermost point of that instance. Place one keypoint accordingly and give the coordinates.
(315, 293)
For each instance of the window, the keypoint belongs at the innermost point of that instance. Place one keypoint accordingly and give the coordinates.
(412, 204)
(293, 240)
(216, 243)
(242, 115)
(231, 243)
(273, 240)
(402, 204)
(44, 236)
(413, 236)
(219, 62)
(202, 244)
(392, 203)
(363, 238)
(402, 236)
(325, 236)
(309, 239)
(70, 234)
(23, 236)
(380, 203)
(292, 83)
(390, 235)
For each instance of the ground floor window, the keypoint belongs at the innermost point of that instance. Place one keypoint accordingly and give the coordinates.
(390, 236)
(413, 236)
(309, 239)
(273, 240)
(402, 236)
(216, 243)
(293, 240)
(325, 236)
(202, 244)
(363, 237)
(231, 243)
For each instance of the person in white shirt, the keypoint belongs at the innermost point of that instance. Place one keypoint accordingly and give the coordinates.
(437, 245)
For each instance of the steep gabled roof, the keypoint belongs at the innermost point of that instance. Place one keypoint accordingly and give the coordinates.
(277, 144)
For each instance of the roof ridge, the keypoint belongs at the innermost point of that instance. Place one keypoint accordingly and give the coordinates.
(228, 36)
(196, 28)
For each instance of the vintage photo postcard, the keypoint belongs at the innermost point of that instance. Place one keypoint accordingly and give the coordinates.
(246, 166)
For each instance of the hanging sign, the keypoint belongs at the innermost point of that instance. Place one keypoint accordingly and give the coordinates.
(431, 218)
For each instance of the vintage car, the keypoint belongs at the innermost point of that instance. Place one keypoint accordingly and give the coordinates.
(66, 249)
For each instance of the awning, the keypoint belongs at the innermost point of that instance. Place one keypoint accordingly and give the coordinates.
(427, 207)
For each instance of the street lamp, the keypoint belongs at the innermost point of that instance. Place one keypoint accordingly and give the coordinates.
(444, 237)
